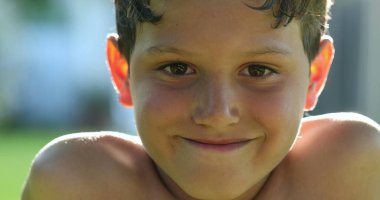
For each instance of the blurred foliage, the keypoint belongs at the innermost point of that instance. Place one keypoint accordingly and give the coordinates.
(94, 113)
(41, 10)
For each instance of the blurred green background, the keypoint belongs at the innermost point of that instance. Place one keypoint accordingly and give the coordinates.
(17, 150)
(54, 78)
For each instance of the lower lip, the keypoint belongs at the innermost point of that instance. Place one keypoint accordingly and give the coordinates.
(218, 147)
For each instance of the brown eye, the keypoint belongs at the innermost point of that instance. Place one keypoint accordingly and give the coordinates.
(178, 69)
(258, 70)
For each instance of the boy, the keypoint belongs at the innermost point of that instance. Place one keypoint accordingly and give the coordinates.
(219, 88)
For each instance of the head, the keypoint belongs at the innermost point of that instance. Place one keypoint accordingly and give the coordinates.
(219, 87)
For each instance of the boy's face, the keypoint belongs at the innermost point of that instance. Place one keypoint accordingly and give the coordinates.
(218, 94)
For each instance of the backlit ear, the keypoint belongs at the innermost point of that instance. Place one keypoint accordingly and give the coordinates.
(118, 67)
(319, 71)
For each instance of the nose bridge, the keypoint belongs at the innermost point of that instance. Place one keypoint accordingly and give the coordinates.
(216, 105)
(217, 95)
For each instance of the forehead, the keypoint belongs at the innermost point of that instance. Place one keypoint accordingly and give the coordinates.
(211, 16)
(217, 25)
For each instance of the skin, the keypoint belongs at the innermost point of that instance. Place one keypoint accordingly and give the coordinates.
(217, 99)
(224, 127)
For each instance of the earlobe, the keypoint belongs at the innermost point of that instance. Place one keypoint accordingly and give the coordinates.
(118, 67)
(319, 71)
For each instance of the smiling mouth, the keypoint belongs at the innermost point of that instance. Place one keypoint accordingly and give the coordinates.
(215, 145)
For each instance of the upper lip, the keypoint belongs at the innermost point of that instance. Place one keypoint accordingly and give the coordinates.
(219, 141)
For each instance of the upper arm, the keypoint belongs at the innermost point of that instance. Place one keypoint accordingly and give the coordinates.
(365, 139)
(43, 183)
(357, 140)
(54, 170)
(343, 153)
(78, 167)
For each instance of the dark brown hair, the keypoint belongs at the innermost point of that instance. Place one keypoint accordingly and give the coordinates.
(313, 16)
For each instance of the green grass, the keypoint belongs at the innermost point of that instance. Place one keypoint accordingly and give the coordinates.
(17, 150)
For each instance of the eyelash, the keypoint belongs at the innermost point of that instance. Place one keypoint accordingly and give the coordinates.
(166, 68)
(267, 71)
(247, 71)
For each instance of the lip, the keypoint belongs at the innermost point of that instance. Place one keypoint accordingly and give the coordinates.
(218, 145)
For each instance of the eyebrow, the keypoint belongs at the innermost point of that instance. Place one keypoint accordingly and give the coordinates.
(268, 49)
(166, 49)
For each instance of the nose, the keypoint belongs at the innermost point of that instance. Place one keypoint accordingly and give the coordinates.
(216, 105)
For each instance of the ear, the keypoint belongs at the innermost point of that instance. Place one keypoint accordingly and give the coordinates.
(319, 71)
(118, 67)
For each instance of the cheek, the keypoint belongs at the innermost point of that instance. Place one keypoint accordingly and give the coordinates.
(279, 112)
(159, 112)
(159, 108)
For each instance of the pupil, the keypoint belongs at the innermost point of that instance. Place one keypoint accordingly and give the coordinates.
(256, 71)
(178, 69)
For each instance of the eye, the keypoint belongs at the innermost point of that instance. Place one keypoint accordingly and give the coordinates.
(257, 70)
(177, 69)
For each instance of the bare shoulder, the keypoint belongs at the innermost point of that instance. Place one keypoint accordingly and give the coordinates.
(339, 154)
(88, 166)
(343, 130)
